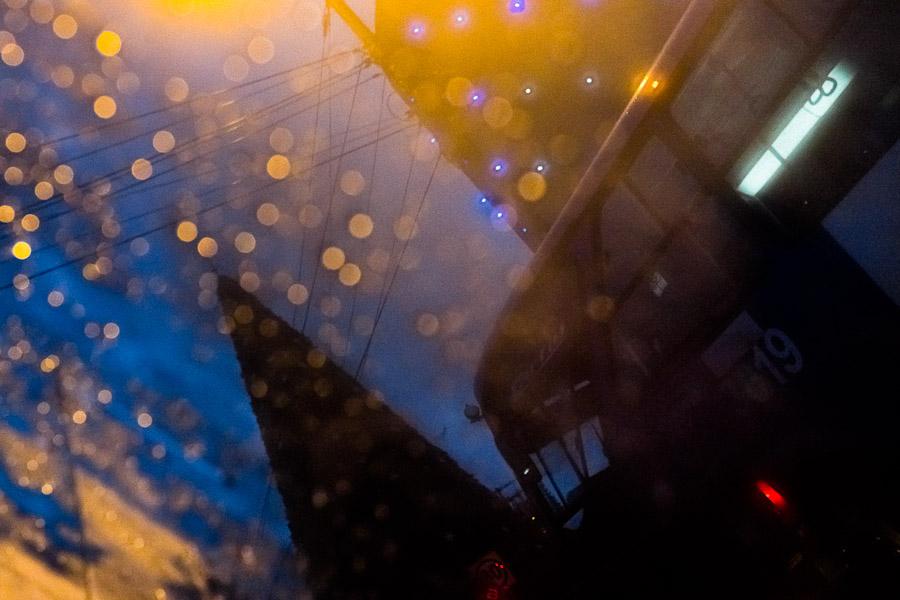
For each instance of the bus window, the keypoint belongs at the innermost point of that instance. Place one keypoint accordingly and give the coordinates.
(566, 463)
(725, 96)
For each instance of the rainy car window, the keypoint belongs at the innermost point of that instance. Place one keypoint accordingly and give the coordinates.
(449, 299)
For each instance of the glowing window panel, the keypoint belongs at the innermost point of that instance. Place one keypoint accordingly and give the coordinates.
(797, 129)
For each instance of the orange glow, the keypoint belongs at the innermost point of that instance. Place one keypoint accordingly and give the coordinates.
(217, 15)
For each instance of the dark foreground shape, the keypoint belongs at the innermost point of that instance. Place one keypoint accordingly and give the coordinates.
(378, 511)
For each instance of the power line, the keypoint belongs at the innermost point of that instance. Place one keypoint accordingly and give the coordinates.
(330, 206)
(174, 222)
(390, 285)
(118, 122)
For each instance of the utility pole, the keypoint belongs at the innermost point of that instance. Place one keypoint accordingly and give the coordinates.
(356, 25)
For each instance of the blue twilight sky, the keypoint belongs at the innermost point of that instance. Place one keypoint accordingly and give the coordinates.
(169, 360)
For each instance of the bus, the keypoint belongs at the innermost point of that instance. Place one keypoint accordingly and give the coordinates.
(693, 379)
(695, 374)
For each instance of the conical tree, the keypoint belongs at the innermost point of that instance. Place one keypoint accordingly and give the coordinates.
(378, 510)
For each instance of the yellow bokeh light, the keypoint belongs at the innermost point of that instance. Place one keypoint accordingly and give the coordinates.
(142, 169)
(297, 294)
(49, 363)
(109, 43)
(65, 26)
(361, 226)
(12, 54)
(14, 176)
(350, 274)
(64, 174)
(105, 107)
(333, 258)
(90, 272)
(267, 214)
(261, 50)
(278, 167)
(7, 213)
(177, 89)
(245, 242)
(353, 183)
(186, 232)
(207, 247)
(15, 142)
(163, 141)
(79, 417)
(532, 186)
(43, 190)
(30, 222)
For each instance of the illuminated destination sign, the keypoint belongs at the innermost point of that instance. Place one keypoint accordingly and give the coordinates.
(797, 129)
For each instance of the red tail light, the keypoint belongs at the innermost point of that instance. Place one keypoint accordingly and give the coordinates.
(772, 495)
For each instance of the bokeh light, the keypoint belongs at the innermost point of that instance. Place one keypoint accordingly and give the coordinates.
(163, 141)
(21, 250)
(333, 258)
(65, 26)
(105, 107)
(15, 142)
(108, 43)
(278, 166)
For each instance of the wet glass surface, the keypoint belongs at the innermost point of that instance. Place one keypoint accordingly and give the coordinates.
(448, 299)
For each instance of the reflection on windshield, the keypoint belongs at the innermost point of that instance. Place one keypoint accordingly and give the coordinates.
(493, 300)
